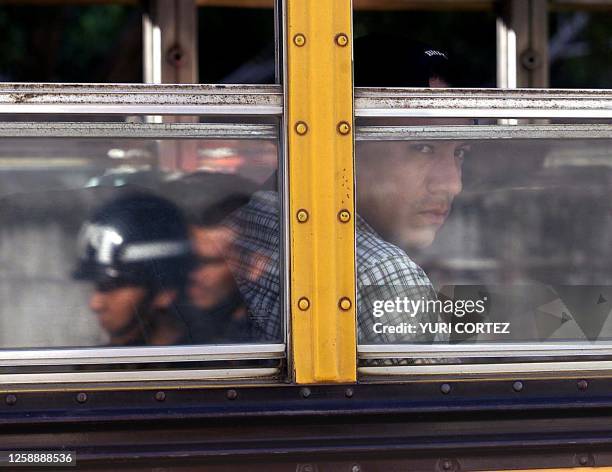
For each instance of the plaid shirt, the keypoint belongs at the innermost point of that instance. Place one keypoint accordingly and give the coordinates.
(384, 272)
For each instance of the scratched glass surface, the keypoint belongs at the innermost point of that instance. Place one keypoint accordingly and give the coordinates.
(503, 240)
(132, 208)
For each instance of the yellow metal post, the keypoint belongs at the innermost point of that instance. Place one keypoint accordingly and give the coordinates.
(319, 98)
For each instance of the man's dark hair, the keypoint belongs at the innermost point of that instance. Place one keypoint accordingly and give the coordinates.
(214, 214)
(388, 60)
(208, 198)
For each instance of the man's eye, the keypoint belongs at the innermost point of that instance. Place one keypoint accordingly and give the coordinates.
(422, 148)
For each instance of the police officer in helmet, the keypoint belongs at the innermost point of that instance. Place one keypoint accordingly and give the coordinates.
(136, 252)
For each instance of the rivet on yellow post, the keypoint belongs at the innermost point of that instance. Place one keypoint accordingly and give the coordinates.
(344, 128)
(303, 304)
(319, 104)
(299, 40)
(345, 304)
(342, 39)
(301, 128)
(302, 216)
(344, 216)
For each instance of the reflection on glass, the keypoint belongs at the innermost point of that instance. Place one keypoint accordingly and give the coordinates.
(509, 236)
(220, 314)
(130, 242)
(135, 250)
(579, 49)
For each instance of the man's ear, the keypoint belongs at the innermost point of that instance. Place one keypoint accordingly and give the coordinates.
(164, 299)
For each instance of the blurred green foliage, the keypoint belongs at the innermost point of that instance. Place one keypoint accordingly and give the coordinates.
(98, 43)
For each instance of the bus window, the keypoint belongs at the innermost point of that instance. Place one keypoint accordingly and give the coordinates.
(495, 248)
(137, 242)
(492, 240)
(71, 43)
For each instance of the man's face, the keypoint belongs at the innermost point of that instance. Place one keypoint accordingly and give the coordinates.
(405, 188)
(118, 307)
(211, 283)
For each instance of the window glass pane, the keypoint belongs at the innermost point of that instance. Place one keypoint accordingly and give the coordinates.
(132, 242)
(579, 49)
(487, 240)
(466, 37)
(76, 43)
(242, 53)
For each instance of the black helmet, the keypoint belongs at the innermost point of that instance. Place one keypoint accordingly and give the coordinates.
(138, 239)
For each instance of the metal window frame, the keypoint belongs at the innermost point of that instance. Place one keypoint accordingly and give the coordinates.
(433, 371)
(483, 103)
(130, 355)
(483, 132)
(484, 350)
(141, 376)
(169, 56)
(74, 99)
(141, 99)
(234, 131)
(267, 100)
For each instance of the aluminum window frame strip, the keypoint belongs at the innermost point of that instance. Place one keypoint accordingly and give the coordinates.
(281, 42)
(420, 351)
(551, 369)
(138, 130)
(129, 355)
(141, 99)
(136, 376)
(482, 103)
(483, 132)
